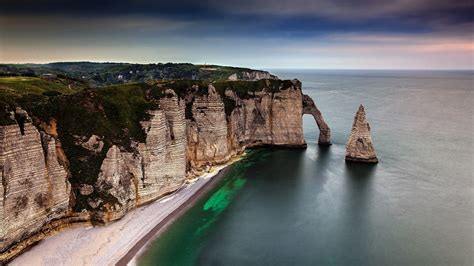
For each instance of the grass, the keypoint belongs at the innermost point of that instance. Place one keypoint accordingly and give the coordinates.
(31, 92)
(32, 85)
(243, 89)
(103, 74)
(112, 112)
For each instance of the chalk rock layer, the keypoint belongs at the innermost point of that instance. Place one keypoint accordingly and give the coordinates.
(309, 107)
(273, 119)
(207, 134)
(158, 168)
(35, 188)
(185, 132)
(359, 147)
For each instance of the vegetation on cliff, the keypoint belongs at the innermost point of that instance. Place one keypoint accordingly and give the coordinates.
(99, 74)
(113, 113)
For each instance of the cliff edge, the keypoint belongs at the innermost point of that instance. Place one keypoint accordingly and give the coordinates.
(95, 154)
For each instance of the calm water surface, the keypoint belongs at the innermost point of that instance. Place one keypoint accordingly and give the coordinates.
(307, 207)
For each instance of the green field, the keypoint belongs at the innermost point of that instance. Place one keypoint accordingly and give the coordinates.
(32, 85)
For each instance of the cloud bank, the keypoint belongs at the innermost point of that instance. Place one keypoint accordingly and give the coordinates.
(279, 33)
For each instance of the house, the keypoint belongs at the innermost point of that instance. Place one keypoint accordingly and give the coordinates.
(49, 76)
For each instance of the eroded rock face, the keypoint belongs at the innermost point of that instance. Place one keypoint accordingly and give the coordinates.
(60, 188)
(34, 188)
(233, 77)
(164, 153)
(182, 138)
(157, 168)
(116, 178)
(324, 131)
(252, 75)
(257, 75)
(359, 147)
(267, 119)
(207, 135)
(86, 189)
(94, 144)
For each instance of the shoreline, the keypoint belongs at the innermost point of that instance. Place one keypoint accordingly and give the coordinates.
(121, 242)
(130, 258)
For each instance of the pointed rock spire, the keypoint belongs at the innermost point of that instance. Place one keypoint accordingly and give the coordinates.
(359, 147)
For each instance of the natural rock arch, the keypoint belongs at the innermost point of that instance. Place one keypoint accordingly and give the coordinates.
(324, 131)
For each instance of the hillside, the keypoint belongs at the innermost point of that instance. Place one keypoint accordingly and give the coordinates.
(99, 74)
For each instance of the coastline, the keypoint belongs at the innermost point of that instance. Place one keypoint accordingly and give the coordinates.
(130, 258)
(122, 241)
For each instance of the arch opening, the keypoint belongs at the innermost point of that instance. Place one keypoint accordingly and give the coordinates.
(310, 108)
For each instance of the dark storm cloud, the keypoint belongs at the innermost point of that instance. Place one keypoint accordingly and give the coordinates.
(309, 33)
(274, 17)
(341, 10)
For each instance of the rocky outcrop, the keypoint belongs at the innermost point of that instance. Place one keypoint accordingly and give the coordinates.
(94, 144)
(164, 153)
(35, 189)
(257, 75)
(233, 77)
(359, 147)
(207, 130)
(187, 131)
(324, 132)
(267, 118)
(157, 168)
(252, 75)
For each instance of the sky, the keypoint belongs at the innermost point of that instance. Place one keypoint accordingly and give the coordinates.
(324, 34)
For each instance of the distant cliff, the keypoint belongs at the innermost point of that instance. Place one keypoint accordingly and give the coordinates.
(99, 74)
(95, 154)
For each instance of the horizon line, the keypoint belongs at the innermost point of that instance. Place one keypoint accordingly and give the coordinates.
(237, 66)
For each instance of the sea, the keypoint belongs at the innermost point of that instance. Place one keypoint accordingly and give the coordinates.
(308, 207)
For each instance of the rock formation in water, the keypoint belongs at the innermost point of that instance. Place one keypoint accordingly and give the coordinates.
(359, 147)
(324, 131)
(59, 165)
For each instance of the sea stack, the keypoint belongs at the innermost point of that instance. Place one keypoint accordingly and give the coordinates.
(359, 147)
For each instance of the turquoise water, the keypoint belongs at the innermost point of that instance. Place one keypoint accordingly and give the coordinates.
(307, 207)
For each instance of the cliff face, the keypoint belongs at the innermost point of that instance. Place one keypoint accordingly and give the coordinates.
(207, 130)
(324, 131)
(267, 118)
(35, 189)
(158, 166)
(190, 129)
(252, 75)
(359, 147)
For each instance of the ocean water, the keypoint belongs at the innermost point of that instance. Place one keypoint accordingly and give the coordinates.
(308, 207)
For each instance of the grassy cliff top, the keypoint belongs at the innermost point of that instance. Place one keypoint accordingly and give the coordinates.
(32, 91)
(36, 94)
(244, 89)
(20, 85)
(113, 113)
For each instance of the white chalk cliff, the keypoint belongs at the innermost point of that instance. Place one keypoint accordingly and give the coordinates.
(184, 135)
(359, 147)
